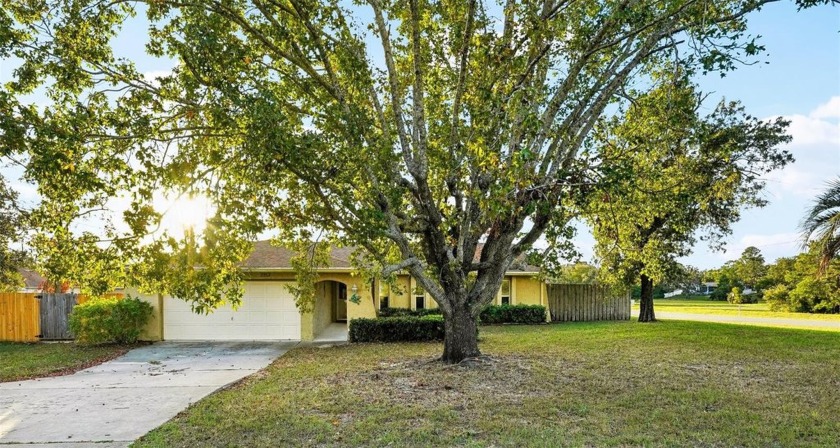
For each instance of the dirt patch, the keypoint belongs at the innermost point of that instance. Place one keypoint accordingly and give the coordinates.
(426, 383)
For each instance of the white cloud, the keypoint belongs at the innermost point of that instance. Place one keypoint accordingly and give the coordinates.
(771, 246)
(793, 181)
(27, 193)
(809, 130)
(831, 109)
(819, 127)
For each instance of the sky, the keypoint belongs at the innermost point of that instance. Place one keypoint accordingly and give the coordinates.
(798, 78)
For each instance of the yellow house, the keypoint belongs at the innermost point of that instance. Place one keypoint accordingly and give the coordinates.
(268, 311)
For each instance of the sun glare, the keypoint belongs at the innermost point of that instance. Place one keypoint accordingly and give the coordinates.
(183, 213)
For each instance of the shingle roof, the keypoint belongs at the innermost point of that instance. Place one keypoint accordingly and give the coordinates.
(31, 278)
(268, 256)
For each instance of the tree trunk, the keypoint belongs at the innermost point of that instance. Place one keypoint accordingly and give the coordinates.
(646, 300)
(461, 339)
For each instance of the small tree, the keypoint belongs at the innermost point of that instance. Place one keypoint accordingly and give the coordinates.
(735, 296)
(578, 273)
(668, 173)
(750, 268)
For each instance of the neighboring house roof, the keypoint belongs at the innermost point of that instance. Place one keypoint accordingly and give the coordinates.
(269, 257)
(32, 279)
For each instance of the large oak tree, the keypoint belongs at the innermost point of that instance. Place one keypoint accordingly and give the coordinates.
(413, 129)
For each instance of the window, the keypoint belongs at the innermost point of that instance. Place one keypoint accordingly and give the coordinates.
(504, 299)
(419, 298)
(384, 296)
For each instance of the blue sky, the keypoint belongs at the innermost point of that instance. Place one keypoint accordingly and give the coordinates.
(798, 78)
(800, 81)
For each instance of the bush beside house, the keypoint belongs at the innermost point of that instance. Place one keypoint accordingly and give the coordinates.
(405, 312)
(404, 325)
(513, 314)
(397, 329)
(109, 320)
(493, 314)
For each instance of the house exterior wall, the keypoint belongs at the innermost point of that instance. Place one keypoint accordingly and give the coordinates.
(153, 331)
(399, 297)
(524, 290)
(527, 291)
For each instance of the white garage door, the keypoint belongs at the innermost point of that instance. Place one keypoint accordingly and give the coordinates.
(267, 312)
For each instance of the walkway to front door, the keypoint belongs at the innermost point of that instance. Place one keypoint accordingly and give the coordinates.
(335, 332)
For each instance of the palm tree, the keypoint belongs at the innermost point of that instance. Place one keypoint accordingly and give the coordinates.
(821, 226)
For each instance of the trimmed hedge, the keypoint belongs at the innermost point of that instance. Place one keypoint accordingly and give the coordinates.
(405, 312)
(404, 325)
(513, 314)
(397, 329)
(105, 320)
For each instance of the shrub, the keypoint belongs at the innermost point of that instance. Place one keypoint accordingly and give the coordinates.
(108, 320)
(513, 314)
(777, 298)
(735, 296)
(397, 329)
(405, 312)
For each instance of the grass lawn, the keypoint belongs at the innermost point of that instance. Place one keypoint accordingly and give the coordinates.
(702, 305)
(20, 361)
(670, 383)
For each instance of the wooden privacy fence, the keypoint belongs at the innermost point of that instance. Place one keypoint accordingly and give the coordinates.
(55, 316)
(584, 302)
(19, 317)
(29, 317)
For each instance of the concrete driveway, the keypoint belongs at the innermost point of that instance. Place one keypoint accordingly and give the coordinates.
(117, 402)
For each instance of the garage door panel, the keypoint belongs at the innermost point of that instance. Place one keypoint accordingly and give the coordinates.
(255, 303)
(258, 318)
(267, 312)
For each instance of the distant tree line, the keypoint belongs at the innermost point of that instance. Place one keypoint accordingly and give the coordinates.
(797, 284)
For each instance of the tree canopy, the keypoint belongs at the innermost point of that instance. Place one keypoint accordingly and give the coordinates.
(412, 129)
(750, 268)
(803, 284)
(668, 173)
(12, 231)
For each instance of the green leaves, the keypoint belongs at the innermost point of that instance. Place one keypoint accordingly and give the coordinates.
(14, 229)
(413, 130)
(802, 284)
(670, 174)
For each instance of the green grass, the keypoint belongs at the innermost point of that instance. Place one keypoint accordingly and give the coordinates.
(702, 305)
(20, 361)
(671, 383)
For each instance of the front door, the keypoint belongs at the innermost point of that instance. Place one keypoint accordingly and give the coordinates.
(341, 303)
